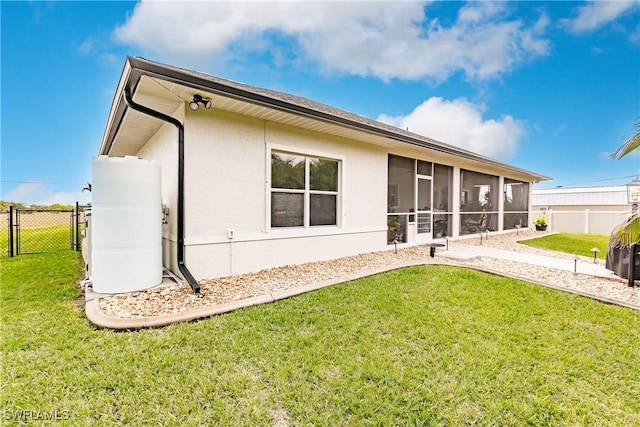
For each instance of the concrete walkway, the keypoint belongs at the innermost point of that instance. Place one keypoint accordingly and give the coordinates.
(462, 251)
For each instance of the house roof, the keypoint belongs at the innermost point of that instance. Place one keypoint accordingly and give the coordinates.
(167, 88)
(583, 196)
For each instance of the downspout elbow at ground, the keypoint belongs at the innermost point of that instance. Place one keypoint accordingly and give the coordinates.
(181, 246)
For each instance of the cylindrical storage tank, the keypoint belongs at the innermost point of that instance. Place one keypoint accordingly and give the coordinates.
(126, 224)
(86, 243)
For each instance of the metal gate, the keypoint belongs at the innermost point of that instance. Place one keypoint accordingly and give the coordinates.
(43, 230)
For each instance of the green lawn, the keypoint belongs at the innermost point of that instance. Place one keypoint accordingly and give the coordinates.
(431, 345)
(34, 240)
(573, 243)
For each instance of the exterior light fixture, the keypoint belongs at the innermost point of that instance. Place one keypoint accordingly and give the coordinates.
(633, 192)
(595, 253)
(197, 100)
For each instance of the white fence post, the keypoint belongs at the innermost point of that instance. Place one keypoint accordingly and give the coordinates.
(586, 221)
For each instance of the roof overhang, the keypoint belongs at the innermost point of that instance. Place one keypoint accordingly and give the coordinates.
(167, 89)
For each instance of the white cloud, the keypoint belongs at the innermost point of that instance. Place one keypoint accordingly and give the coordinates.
(460, 123)
(596, 14)
(40, 193)
(634, 37)
(87, 47)
(382, 39)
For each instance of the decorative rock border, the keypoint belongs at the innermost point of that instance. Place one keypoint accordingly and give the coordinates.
(166, 305)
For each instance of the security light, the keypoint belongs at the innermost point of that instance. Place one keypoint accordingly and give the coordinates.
(197, 100)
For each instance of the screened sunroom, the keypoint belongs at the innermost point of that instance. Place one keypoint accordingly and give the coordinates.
(421, 206)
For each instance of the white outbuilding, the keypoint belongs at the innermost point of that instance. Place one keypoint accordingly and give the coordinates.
(595, 210)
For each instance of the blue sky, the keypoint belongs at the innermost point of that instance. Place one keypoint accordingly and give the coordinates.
(552, 87)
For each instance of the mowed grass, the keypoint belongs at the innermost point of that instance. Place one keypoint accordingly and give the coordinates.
(572, 243)
(4, 243)
(431, 345)
(35, 240)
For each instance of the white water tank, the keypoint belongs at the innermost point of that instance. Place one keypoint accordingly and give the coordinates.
(126, 224)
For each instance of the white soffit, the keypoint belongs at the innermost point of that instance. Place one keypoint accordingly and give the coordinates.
(168, 97)
(137, 128)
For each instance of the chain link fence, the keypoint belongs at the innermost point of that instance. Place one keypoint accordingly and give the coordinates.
(31, 231)
(4, 233)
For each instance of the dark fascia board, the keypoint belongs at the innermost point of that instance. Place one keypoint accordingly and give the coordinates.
(291, 104)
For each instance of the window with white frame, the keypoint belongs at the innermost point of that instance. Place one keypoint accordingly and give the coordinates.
(304, 190)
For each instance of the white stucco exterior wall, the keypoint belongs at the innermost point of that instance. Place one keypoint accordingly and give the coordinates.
(227, 160)
(227, 187)
(163, 148)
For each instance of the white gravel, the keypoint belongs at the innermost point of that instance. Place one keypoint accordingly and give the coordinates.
(180, 298)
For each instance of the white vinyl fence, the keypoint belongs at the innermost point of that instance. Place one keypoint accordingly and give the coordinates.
(582, 221)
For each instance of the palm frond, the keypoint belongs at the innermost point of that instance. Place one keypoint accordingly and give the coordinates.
(633, 143)
(628, 233)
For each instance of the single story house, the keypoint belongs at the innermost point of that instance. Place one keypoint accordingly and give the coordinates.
(254, 178)
(595, 210)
